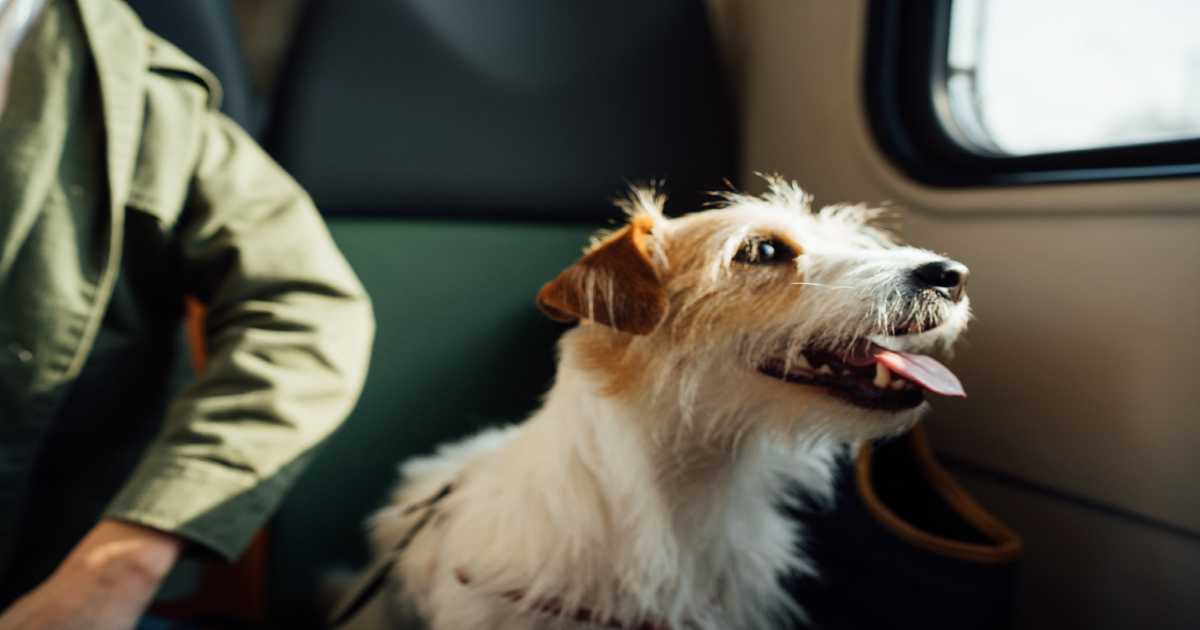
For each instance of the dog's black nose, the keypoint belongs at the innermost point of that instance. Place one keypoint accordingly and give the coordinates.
(948, 275)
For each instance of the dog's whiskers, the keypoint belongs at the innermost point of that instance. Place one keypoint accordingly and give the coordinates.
(823, 286)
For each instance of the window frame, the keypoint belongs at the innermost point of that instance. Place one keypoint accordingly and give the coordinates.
(907, 108)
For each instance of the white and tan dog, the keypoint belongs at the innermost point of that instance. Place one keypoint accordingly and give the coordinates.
(721, 358)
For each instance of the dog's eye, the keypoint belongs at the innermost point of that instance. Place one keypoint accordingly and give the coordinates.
(764, 251)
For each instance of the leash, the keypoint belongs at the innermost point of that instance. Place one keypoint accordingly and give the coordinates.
(368, 586)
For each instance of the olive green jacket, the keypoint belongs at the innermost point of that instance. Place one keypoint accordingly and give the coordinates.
(122, 190)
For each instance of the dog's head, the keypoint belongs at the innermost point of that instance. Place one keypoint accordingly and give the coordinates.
(762, 311)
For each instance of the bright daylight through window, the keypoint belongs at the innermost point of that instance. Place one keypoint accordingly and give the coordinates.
(1038, 76)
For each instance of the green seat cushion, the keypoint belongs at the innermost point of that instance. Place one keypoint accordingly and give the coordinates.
(460, 345)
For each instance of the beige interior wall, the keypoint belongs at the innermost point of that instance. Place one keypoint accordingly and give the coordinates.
(1085, 572)
(1081, 364)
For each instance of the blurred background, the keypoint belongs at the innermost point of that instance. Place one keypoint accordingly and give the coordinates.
(462, 152)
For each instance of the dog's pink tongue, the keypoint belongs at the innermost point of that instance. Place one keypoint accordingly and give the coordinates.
(922, 370)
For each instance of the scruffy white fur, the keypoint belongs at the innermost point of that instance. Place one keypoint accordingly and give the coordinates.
(648, 486)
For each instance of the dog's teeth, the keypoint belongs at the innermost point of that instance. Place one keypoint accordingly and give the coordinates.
(825, 369)
(899, 384)
(883, 376)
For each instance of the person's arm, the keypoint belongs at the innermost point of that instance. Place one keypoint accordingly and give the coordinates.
(288, 329)
(106, 581)
(288, 334)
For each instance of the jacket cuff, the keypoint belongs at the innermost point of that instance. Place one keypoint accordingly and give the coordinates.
(203, 502)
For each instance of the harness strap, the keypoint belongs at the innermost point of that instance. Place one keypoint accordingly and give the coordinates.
(368, 586)
(554, 607)
(371, 581)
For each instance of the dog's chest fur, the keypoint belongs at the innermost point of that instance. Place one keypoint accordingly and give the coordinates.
(580, 507)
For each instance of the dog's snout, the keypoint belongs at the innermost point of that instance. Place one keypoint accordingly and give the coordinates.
(949, 276)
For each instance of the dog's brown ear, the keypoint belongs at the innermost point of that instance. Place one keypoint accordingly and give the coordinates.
(615, 284)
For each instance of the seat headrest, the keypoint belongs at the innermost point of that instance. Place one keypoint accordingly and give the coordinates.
(522, 108)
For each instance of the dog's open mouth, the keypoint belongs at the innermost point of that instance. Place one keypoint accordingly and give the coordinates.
(873, 377)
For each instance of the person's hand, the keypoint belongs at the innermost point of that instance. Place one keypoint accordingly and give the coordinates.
(105, 583)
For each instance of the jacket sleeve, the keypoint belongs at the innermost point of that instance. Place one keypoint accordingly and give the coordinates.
(288, 331)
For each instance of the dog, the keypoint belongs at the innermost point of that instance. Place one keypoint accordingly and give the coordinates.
(722, 362)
